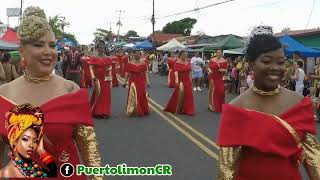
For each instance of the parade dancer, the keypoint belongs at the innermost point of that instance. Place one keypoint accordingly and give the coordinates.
(73, 65)
(216, 68)
(124, 63)
(101, 74)
(181, 101)
(25, 129)
(267, 124)
(135, 78)
(69, 131)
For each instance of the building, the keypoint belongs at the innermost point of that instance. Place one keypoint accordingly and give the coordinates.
(161, 38)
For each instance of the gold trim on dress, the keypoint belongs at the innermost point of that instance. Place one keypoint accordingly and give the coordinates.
(211, 94)
(228, 162)
(85, 138)
(180, 98)
(289, 128)
(97, 91)
(312, 156)
(132, 100)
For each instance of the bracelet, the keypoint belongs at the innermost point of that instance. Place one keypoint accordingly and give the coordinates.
(48, 161)
(46, 158)
(44, 155)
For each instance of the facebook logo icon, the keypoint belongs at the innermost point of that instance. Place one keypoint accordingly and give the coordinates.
(66, 170)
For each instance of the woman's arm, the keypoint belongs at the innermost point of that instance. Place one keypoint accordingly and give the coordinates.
(147, 79)
(14, 72)
(2, 73)
(296, 75)
(311, 150)
(228, 162)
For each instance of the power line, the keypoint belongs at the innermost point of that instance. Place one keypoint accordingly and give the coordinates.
(197, 9)
(119, 23)
(310, 14)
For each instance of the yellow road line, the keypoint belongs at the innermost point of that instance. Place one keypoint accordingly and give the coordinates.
(185, 133)
(204, 137)
(188, 126)
(181, 122)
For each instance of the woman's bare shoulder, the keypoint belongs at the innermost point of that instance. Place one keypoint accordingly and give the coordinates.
(241, 100)
(70, 86)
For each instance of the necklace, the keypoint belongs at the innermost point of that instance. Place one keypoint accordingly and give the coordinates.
(31, 169)
(37, 80)
(265, 93)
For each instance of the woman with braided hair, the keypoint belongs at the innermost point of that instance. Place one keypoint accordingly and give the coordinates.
(268, 131)
(25, 126)
(68, 118)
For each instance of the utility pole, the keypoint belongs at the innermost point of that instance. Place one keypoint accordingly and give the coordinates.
(110, 26)
(153, 21)
(119, 24)
(20, 19)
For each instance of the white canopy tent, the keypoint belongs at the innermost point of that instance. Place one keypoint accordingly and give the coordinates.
(172, 45)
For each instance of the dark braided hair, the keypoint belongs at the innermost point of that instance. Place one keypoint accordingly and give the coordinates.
(260, 44)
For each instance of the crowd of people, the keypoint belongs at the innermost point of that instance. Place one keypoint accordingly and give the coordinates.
(52, 87)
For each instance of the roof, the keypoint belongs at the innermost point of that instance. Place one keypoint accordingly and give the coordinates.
(172, 45)
(299, 32)
(10, 36)
(164, 37)
(7, 46)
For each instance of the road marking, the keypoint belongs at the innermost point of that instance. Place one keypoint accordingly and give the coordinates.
(204, 137)
(185, 133)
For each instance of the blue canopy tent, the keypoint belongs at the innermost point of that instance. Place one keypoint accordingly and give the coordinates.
(66, 42)
(292, 45)
(146, 45)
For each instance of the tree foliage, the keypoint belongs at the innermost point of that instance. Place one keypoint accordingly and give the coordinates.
(102, 34)
(132, 33)
(183, 26)
(58, 24)
(285, 30)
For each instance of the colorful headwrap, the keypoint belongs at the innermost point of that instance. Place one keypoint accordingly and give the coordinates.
(22, 117)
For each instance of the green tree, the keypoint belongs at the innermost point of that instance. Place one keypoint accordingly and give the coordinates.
(285, 30)
(183, 26)
(102, 34)
(132, 33)
(58, 24)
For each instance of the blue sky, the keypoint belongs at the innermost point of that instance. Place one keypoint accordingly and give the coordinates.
(236, 17)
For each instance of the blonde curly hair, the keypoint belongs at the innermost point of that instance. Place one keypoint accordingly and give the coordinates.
(33, 25)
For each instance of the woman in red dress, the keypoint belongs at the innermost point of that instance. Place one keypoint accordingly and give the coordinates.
(181, 101)
(115, 64)
(68, 124)
(217, 67)
(268, 131)
(135, 78)
(100, 70)
(170, 64)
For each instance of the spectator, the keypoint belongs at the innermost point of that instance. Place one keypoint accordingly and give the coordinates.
(197, 66)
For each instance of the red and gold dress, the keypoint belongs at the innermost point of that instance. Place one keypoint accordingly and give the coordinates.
(171, 77)
(115, 64)
(137, 103)
(181, 101)
(260, 146)
(85, 79)
(101, 97)
(67, 118)
(216, 85)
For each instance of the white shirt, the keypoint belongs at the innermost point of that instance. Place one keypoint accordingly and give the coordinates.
(195, 63)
